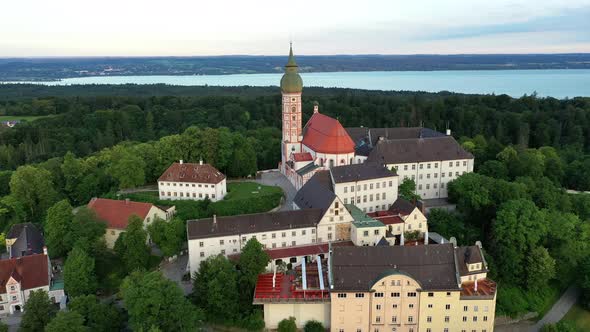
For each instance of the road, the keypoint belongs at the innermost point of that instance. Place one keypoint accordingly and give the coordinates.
(559, 309)
(275, 178)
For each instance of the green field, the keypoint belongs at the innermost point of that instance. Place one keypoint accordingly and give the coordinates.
(241, 198)
(580, 316)
(22, 118)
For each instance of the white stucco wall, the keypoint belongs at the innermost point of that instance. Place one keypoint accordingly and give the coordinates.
(432, 177)
(369, 195)
(191, 190)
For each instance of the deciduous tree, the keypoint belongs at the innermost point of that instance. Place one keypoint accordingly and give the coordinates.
(79, 274)
(154, 301)
(58, 226)
(215, 289)
(38, 312)
(33, 188)
(67, 321)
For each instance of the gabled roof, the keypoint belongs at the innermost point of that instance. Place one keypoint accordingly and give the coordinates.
(360, 172)
(417, 150)
(31, 271)
(402, 207)
(316, 193)
(371, 135)
(252, 223)
(116, 213)
(324, 134)
(358, 268)
(189, 172)
(469, 255)
(29, 240)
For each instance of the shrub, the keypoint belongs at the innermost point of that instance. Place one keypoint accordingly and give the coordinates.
(287, 325)
(314, 326)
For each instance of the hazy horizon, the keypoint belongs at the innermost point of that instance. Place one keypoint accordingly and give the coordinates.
(149, 28)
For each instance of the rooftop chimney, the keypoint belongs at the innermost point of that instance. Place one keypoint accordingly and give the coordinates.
(214, 219)
(200, 161)
(181, 161)
(45, 250)
(126, 201)
(448, 132)
(316, 107)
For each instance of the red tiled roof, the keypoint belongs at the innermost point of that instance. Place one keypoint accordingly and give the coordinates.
(302, 156)
(187, 172)
(326, 135)
(386, 217)
(31, 271)
(116, 213)
(314, 249)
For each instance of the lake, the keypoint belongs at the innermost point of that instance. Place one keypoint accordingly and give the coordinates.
(558, 83)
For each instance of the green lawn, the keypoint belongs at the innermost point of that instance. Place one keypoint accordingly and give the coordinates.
(245, 190)
(241, 198)
(580, 316)
(20, 117)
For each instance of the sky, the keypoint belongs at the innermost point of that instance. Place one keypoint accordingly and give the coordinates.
(30, 28)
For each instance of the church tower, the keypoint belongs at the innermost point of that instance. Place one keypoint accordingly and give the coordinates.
(291, 88)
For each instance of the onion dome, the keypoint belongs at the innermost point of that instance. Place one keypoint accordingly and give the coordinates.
(291, 82)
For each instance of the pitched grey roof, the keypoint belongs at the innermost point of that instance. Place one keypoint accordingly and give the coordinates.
(417, 150)
(29, 240)
(316, 193)
(371, 135)
(252, 223)
(402, 206)
(358, 268)
(360, 172)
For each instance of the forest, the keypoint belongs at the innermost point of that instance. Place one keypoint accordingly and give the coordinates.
(94, 140)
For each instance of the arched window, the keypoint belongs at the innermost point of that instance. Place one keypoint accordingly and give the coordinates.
(342, 161)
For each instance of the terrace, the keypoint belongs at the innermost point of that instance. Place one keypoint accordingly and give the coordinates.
(486, 289)
(308, 282)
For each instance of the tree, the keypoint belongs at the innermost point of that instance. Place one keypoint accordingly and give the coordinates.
(495, 169)
(33, 188)
(253, 261)
(79, 276)
(86, 228)
(518, 228)
(287, 325)
(244, 158)
(169, 236)
(98, 316)
(584, 281)
(154, 301)
(38, 312)
(57, 228)
(67, 321)
(407, 190)
(3, 327)
(132, 247)
(73, 172)
(540, 268)
(313, 326)
(215, 289)
(127, 168)
(450, 224)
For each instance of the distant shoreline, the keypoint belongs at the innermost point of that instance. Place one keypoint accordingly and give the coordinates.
(516, 83)
(55, 69)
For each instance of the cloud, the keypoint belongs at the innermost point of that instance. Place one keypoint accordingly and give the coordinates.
(576, 22)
